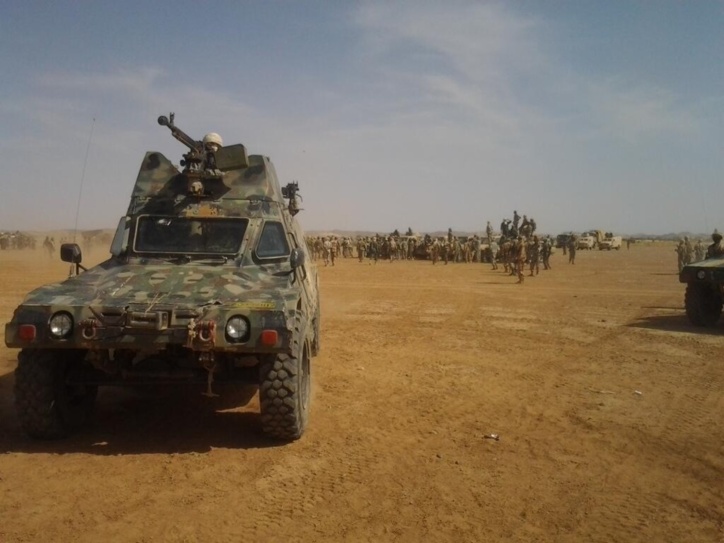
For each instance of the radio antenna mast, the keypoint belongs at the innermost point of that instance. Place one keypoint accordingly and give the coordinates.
(82, 179)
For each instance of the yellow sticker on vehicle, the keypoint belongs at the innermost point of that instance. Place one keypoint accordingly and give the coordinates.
(254, 305)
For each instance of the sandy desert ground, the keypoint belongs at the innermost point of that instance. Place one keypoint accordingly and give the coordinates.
(418, 364)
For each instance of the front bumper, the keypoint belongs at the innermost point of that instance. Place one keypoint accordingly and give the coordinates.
(195, 329)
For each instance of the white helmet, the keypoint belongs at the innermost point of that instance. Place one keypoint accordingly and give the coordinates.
(213, 138)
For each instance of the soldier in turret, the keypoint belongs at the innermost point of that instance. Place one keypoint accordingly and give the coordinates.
(716, 249)
(213, 142)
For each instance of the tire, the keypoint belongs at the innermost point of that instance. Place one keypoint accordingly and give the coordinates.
(703, 304)
(284, 392)
(316, 341)
(47, 407)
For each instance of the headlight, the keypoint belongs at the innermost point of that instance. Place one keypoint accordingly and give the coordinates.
(701, 274)
(61, 325)
(237, 328)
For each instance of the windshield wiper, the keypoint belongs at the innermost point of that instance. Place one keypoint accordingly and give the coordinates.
(201, 259)
(219, 259)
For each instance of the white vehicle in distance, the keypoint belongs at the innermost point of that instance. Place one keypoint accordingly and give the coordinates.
(610, 242)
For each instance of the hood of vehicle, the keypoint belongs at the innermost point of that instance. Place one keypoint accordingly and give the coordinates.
(717, 262)
(164, 283)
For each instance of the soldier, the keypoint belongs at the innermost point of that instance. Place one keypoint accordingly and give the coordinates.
(688, 251)
(546, 253)
(525, 230)
(520, 257)
(335, 249)
(504, 228)
(374, 248)
(681, 254)
(572, 249)
(360, 248)
(213, 142)
(494, 249)
(327, 251)
(392, 244)
(716, 249)
(533, 255)
(435, 251)
(49, 246)
(516, 219)
(699, 251)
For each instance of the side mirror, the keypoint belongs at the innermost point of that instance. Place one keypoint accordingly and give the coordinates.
(297, 258)
(70, 252)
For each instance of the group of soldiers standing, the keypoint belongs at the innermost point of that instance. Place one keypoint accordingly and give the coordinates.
(16, 240)
(374, 248)
(520, 248)
(517, 248)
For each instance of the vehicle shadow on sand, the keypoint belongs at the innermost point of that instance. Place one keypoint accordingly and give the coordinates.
(674, 323)
(145, 421)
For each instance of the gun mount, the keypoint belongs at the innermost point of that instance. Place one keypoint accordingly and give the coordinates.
(198, 158)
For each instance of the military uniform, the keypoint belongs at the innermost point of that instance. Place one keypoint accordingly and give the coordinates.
(681, 254)
(716, 249)
(699, 251)
(534, 255)
(572, 249)
(546, 253)
(520, 255)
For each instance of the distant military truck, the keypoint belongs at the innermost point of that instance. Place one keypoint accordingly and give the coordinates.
(585, 242)
(208, 284)
(704, 291)
(610, 242)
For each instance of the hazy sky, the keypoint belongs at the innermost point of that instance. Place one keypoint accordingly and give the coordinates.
(431, 115)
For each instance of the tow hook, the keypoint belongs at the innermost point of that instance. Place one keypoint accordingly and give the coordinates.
(203, 332)
(209, 364)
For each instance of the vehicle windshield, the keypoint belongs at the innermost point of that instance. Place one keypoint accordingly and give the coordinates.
(207, 236)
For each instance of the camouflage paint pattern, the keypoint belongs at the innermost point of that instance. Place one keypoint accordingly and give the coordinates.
(706, 271)
(137, 301)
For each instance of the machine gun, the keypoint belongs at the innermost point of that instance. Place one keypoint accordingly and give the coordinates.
(197, 158)
(291, 191)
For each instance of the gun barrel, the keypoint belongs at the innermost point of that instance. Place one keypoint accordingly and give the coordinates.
(179, 134)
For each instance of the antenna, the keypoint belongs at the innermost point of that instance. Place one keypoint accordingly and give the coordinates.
(82, 179)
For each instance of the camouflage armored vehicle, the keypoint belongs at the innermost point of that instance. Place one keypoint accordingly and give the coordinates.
(704, 290)
(207, 283)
